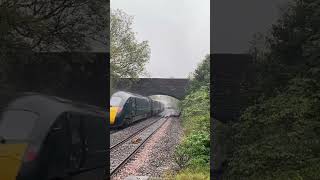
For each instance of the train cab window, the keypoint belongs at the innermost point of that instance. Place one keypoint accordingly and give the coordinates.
(116, 101)
(17, 124)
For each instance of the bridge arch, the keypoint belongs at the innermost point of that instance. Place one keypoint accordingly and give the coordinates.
(155, 86)
(168, 101)
(163, 94)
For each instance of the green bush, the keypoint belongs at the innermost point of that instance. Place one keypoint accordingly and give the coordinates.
(223, 143)
(194, 150)
(196, 111)
(278, 135)
(278, 139)
(193, 154)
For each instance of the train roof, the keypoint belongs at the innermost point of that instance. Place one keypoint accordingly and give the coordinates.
(35, 101)
(127, 95)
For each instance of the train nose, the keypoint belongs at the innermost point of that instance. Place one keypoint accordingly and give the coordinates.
(10, 160)
(113, 114)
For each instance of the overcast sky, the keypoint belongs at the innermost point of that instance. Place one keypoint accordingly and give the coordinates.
(178, 32)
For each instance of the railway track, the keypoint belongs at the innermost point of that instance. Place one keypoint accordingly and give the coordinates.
(133, 134)
(113, 130)
(121, 152)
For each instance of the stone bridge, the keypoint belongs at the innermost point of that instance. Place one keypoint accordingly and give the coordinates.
(155, 86)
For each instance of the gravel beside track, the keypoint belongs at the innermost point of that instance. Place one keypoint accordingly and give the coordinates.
(155, 157)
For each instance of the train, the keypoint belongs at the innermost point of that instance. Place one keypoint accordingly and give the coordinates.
(126, 108)
(47, 137)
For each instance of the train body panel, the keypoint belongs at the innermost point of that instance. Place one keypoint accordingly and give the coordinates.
(126, 108)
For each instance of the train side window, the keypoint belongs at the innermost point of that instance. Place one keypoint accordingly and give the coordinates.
(137, 102)
(139, 105)
(133, 102)
(95, 140)
(56, 148)
(133, 110)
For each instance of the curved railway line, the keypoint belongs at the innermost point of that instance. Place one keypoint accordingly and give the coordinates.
(122, 151)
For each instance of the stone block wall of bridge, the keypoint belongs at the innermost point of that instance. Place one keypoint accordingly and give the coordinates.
(155, 86)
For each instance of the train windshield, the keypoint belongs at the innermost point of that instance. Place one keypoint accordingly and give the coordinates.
(116, 101)
(17, 124)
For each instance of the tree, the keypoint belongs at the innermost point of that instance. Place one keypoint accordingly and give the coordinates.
(40, 26)
(128, 56)
(278, 136)
(41, 41)
(201, 76)
(52, 25)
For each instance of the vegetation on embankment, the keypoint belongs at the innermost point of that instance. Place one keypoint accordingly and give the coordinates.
(193, 154)
(278, 135)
